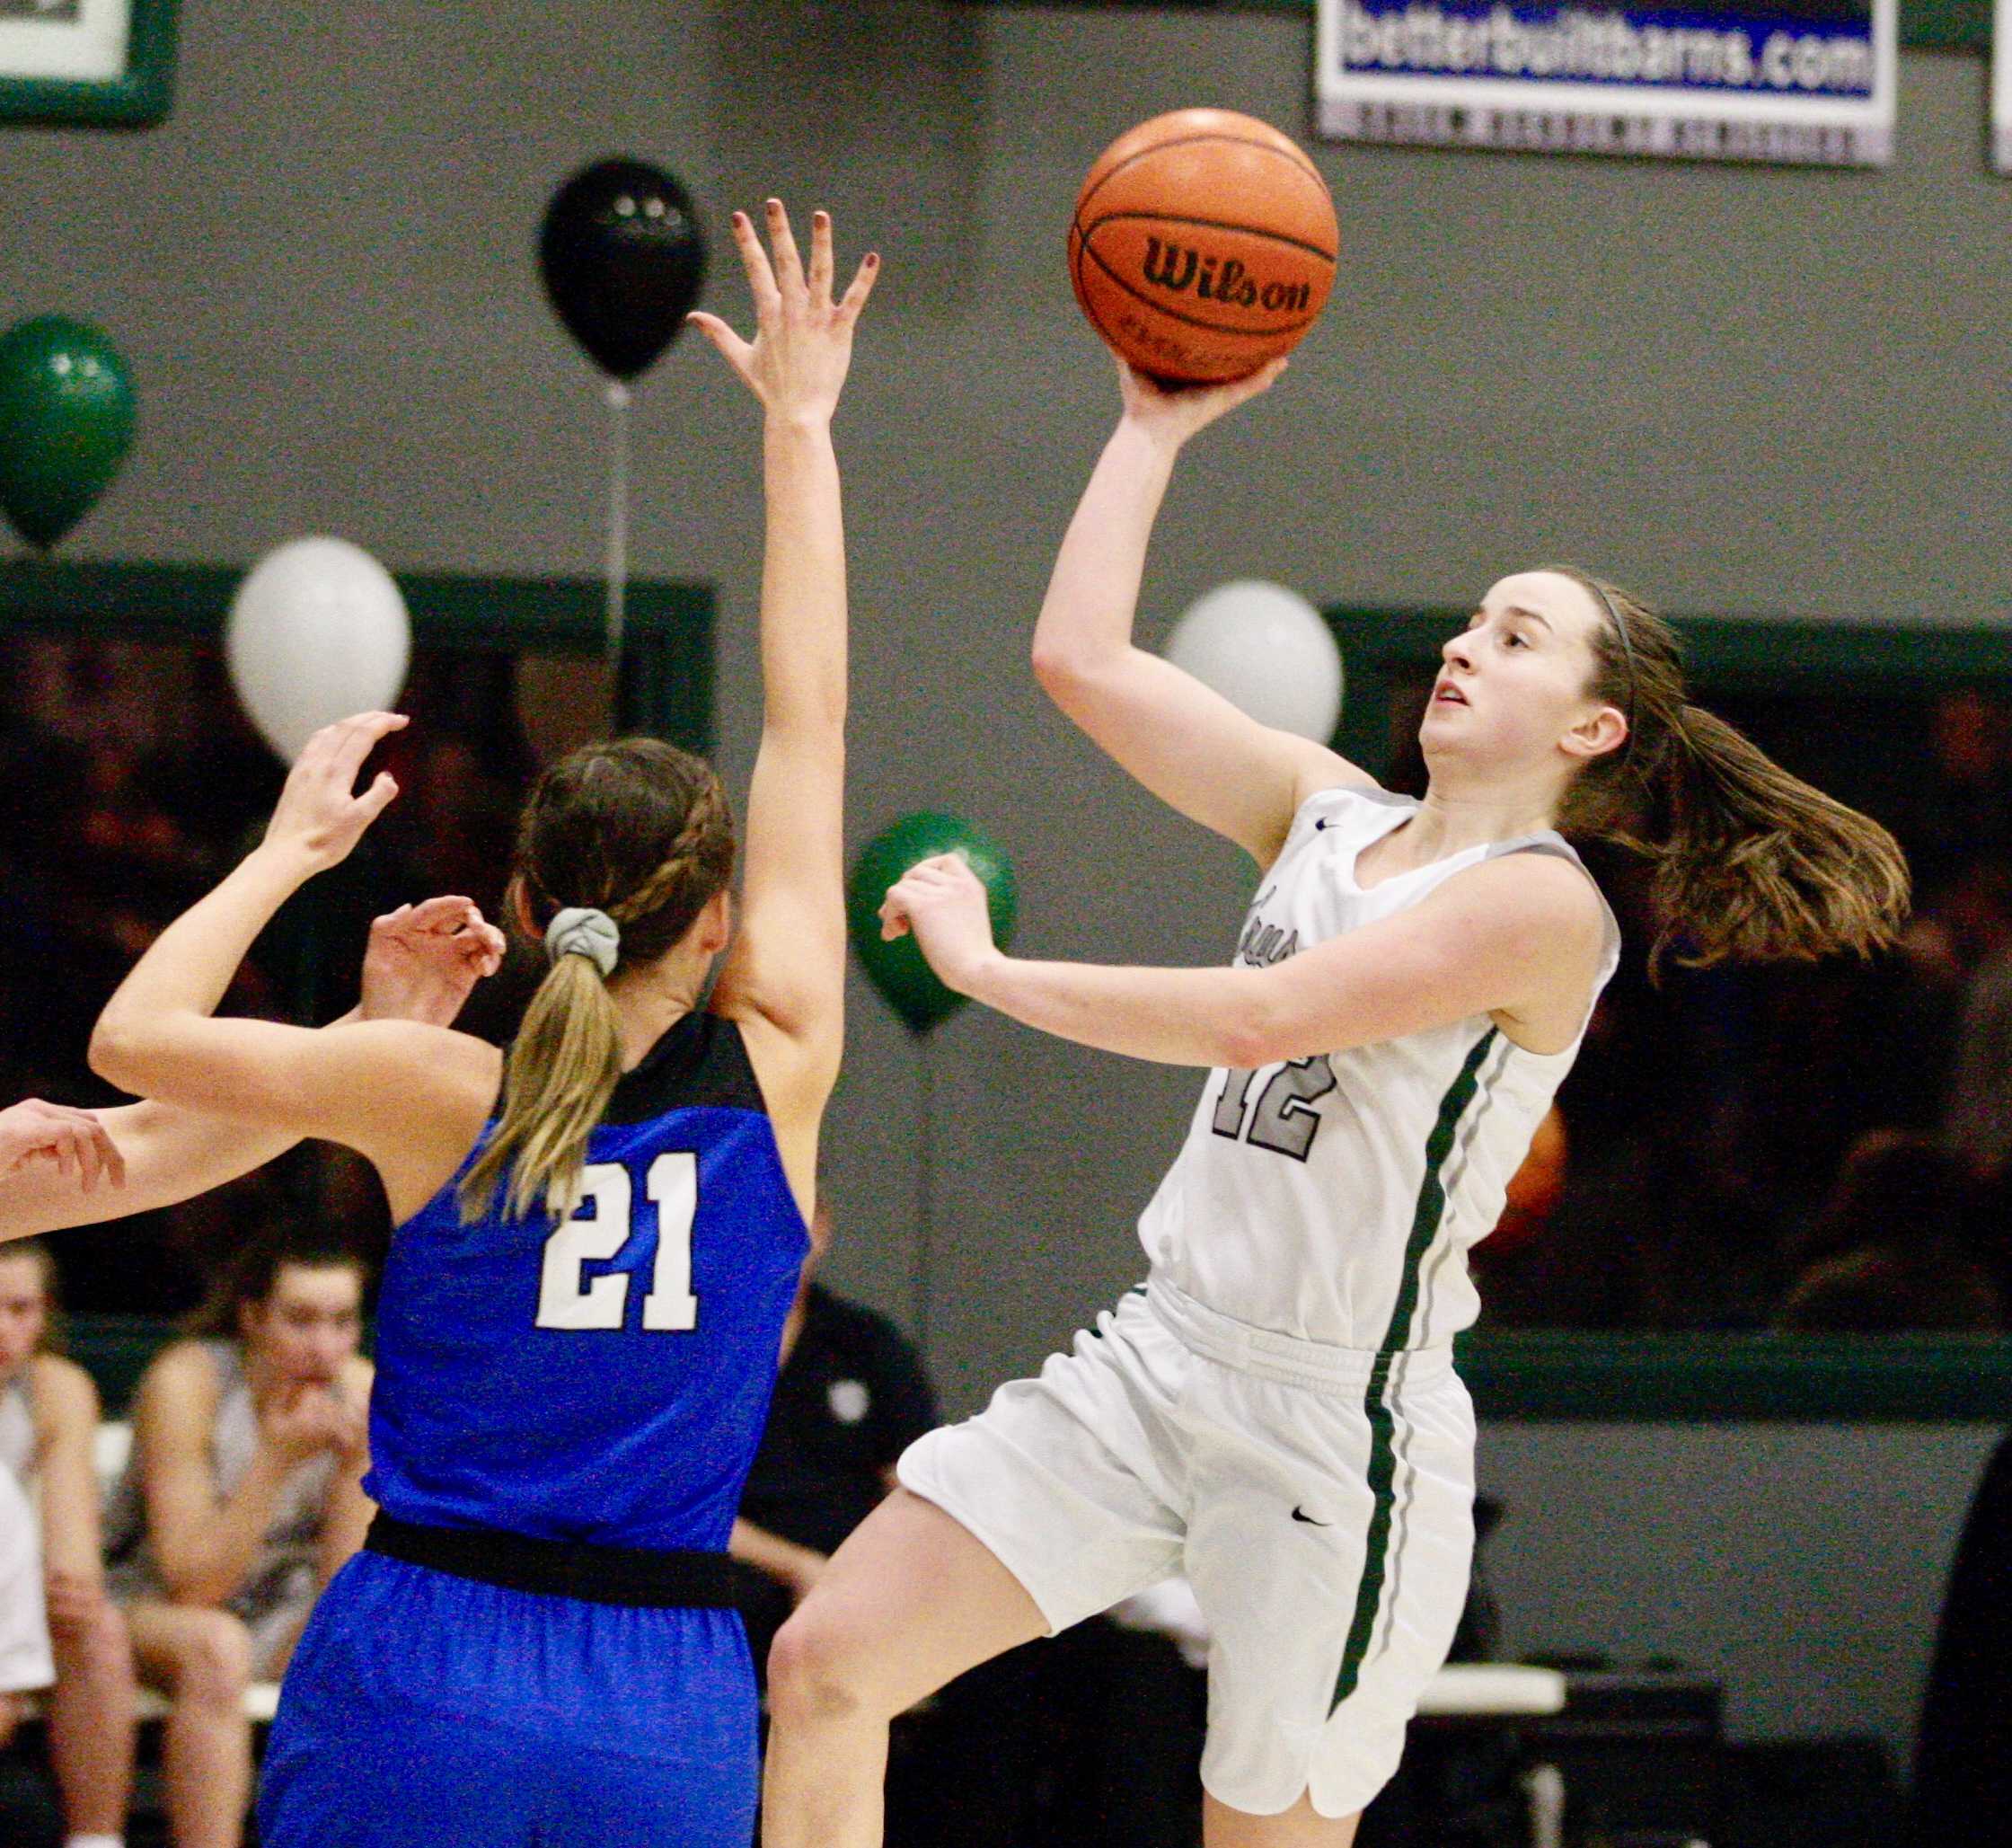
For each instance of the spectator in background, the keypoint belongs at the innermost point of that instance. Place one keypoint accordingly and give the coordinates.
(25, 1662)
(1963, 806)
(243, 1498)
(48, 1425)
(1888, 1253)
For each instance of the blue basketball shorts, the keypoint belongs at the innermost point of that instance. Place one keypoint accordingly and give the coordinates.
(426, 1711)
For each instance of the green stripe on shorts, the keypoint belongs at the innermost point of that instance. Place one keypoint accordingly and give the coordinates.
(1382, 1452)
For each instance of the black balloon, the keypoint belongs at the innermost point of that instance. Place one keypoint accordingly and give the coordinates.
(623, 260)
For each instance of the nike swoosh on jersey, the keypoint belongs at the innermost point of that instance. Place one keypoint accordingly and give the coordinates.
(1300, 1514)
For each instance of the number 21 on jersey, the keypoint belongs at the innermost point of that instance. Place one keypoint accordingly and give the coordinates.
(607, 1202)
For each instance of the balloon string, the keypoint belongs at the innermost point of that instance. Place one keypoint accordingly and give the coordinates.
(923, 1291)
(619, 401)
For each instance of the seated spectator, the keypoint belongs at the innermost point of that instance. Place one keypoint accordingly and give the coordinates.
(26, 1666)
(243, 1498)
(48, 1425)
(1886, 1253)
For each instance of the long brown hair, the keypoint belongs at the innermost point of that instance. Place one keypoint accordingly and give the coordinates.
(1750, 863)
(638, 829)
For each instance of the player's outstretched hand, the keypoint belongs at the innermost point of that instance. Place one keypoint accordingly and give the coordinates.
(320, 817)
(1171, 415)
(75, 1140)
(943, 902)
(423, 959)
(796, 362)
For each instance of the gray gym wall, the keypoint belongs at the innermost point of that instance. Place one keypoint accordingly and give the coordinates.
(1746, 391)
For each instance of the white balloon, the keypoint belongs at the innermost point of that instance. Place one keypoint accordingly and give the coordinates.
(1265, 649)
(317, 631)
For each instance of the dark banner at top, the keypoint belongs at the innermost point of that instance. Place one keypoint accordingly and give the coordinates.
(1777, 80)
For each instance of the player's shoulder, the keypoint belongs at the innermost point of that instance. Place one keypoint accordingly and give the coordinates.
(1534, 888)
(61, 1390)
(182, 1372)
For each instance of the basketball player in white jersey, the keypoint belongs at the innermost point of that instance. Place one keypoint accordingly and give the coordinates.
(1277, 1412)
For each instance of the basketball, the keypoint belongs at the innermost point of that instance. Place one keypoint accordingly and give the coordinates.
(1203, 245)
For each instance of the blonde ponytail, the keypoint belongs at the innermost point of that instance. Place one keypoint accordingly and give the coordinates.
(562, 1069)
(635, 834)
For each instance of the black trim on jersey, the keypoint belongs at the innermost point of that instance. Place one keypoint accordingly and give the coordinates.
(701, 1060)
(598, 1575)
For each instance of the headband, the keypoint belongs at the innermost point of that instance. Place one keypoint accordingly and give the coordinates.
(581, 931)
(1627, 649)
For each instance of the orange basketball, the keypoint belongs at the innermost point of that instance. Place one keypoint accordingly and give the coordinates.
(1204, 245)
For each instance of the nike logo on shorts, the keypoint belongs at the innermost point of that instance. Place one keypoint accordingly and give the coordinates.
(1300, 1514)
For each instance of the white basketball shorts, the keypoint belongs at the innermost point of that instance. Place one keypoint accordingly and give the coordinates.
(1320, 1500)
(24, 1656)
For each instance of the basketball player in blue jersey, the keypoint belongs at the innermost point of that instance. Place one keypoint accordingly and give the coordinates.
(1276, 1414)
(597, 1242)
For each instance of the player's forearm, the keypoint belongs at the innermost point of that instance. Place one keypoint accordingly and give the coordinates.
(803, 580)
(171, 1154)
(148, 1038)
(1178, 1017)
(1093, 593)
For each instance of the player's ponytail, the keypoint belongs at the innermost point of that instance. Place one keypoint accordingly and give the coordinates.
(1751, 862)
(621, 847)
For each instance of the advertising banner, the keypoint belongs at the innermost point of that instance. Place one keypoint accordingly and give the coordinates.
(1809, 81)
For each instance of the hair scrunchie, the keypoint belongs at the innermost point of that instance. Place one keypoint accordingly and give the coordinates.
(581, 931)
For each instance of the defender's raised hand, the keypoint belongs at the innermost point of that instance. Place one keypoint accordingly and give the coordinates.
(796, 362)
(320, 818)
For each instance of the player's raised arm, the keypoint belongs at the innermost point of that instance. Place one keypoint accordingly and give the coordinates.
(1185, 742)
(787, 967)
(61, 1167)
(409, 1094)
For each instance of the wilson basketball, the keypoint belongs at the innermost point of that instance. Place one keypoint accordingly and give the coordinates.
(1204, 245)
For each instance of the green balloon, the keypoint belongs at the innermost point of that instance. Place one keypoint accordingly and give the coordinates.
(899, 970)
(65, 423)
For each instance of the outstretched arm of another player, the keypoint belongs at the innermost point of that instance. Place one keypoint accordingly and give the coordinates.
(787, 963)
(1185, 742)
(401, 1091)
(61, 1167)
(1518, 938)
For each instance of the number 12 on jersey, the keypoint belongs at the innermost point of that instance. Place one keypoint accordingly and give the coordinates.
(672, 1185)
(1286, 1120)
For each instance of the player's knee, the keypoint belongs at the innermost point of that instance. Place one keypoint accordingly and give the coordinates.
(817, 1675)
(216, 1663)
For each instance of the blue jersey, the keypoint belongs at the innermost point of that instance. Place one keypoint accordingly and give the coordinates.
(604, 1378)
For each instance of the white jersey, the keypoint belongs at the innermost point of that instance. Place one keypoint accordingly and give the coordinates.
(1334, 1199)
